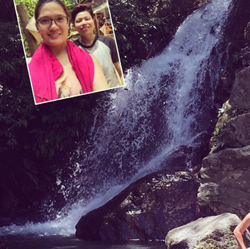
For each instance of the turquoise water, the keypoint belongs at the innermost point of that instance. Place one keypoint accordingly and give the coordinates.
(62, 242)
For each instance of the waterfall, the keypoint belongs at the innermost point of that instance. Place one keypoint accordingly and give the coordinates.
(165, 105)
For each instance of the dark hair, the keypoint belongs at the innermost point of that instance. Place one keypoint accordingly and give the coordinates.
(80, 8)
(40, 3)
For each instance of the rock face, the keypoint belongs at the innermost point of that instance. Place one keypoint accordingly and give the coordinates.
(247, 33)
(205, 233)
(241, 91)
(147, 210)
(225, 173)
(225, 182)
(237, 131)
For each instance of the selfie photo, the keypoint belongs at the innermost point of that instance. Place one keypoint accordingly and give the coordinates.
(70, 48)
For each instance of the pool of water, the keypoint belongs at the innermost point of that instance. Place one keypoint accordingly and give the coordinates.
(70, 242)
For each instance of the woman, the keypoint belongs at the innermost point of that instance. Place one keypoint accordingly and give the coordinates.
(58, 68)
(102, 47)
(240, 229)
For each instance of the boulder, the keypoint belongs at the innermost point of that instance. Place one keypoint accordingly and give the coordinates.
(225, 182)
(205, 233)
(146, 210)
(239, 97)
(236, 132)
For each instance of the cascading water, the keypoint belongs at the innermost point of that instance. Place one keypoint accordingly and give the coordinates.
(165, 105)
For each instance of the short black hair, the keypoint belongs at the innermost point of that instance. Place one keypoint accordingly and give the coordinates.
(40, 3)
(80, 8)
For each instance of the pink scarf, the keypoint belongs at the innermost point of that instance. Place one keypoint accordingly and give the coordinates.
(45, 69)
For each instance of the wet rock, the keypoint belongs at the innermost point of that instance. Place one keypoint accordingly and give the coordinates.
(225, 172)
(211, 233)
(3, 245)
(236, 133)
(245, 55)
(241, 90)
(184, 157)
(247, 33)
(146, 210)
(225, 182)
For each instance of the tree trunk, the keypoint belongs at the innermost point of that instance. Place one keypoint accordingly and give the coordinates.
(24, 18)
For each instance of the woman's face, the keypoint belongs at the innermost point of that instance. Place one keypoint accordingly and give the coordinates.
(84, 23)
(54, 35)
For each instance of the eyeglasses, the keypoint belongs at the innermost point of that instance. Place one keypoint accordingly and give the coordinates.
(46, 22)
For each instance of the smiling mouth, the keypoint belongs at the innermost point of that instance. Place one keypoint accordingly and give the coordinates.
(54, 35)
(85, 28)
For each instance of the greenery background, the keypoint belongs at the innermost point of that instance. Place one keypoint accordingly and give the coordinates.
(31, 4)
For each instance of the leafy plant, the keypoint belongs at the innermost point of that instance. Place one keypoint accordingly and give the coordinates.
(144, 27)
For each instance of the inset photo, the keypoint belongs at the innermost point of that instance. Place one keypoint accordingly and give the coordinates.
(70, 47)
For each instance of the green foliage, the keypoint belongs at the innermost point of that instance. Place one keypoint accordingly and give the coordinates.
(26, 129)
(14, 93)
(59, 126)
(137, 31)
(7, 12)
(144, 27)
(31, 4)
